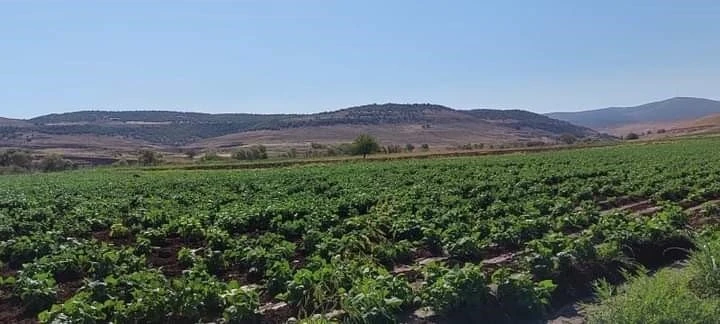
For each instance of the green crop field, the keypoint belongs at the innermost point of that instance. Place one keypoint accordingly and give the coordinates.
(499, 238)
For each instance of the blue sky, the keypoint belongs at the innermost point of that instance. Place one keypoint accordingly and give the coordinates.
(308, 56)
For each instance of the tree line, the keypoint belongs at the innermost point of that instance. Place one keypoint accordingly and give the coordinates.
(19, 161)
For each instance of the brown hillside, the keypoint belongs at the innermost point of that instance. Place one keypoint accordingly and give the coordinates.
(391, 123)
(444, 134)
(705, 125)
(713, 120)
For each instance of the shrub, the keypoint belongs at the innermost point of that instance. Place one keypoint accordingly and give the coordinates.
(148, 158)
(632, 136)
(211, 156)
(255, 152)
(121, 163)
(15, 158)
(568, 138)
(345, 148)
(12, 170)
(662, 298)
(705, 271)
(191, 154)
(54, 163)
(292, 153)
(392, 149)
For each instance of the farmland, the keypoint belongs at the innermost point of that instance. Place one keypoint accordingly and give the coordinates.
(499, 238)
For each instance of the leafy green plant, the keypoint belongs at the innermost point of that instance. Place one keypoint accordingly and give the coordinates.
(118, 230)
(519, 296)
(196, 294)
(376, 300)
(190, 229)
(278, 275)
(446, 289)
(240, 304)
(37, 292)
(22, 249)
(78, 309)
(186, 257)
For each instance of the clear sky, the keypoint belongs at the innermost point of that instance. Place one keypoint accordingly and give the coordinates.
(307, 56)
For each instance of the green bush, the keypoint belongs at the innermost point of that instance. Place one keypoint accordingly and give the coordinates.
(255, 152)
(55, 163)
(704, 270)
(662, 298)
(211, 156)
(15, 158)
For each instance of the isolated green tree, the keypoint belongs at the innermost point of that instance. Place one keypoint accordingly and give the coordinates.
(364, 145)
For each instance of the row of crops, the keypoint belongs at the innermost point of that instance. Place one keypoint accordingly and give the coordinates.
(502, 238)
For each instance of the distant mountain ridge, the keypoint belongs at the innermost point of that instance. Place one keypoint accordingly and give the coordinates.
(182, 128)
(670, 110)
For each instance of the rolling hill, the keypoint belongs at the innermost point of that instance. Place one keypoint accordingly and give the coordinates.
(391, 123)
(660, 112)
(7, 122)
(712, 120)
(705, 125)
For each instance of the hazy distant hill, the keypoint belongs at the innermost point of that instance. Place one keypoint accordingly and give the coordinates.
(670, 110)
(401, 123)
(160, 127)
(7, 122)
(415, 124)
